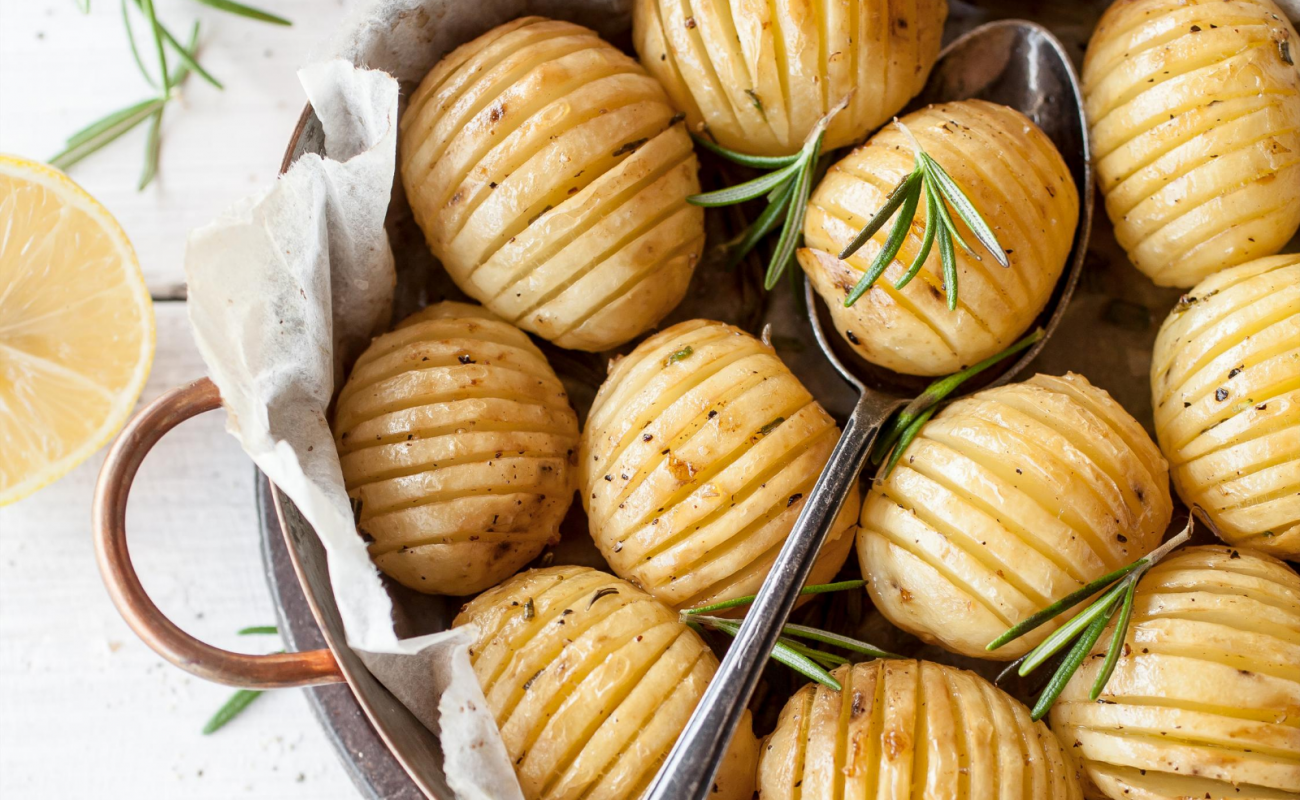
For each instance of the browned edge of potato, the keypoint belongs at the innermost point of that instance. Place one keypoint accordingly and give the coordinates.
(549, 174)
(697, 458)
(591, 681)
(903, 729)
(756, 77)
(456, 441)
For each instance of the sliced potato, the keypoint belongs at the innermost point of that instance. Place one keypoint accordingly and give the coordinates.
(911, 729)
(456, 441)
(591, 681)
(1194, 109)
(1205, 700)
(757, 76)
(549, 175)
(1008, 500)
(1012, 173)
(1225, 384)
(696, 459)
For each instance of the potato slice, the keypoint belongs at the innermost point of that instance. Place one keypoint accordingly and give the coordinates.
(1011, 171)
(1205, 699)
(591, 681)
(904, 729)
(457, 443)
(757, 76)
(696, 459)
(1225, 384)
(1194, 110)
(550, 175)
(1008, 500)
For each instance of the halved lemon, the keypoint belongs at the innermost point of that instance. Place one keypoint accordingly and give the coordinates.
(76, 326)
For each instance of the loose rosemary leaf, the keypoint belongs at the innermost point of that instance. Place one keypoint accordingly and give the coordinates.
(757, 162)
(242, 10)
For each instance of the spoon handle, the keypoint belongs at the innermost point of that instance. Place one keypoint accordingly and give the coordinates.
(688, 772)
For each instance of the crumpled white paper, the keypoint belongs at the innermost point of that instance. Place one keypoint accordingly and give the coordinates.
(290, 284)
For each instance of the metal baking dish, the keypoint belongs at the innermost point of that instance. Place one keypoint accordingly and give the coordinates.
(1114, 307)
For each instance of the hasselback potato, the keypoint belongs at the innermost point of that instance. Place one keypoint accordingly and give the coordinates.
(1205, 699)
(591, 681)
(1225, 385)
(1015, 177)
(696, 459)
(550, 175)
(456, 441)
(1008, 500)
(1194, 108)
(911, 729)
(758, 76)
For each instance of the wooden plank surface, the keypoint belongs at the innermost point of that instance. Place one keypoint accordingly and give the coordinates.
(86, 710)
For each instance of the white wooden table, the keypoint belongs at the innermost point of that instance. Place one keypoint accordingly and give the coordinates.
(86, 710)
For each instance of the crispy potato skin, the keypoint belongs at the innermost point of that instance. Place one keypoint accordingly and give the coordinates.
(1021, 186)
(591, 680)
(696, 459)
(911, 729)
(758, 75)
(550, 175)
(456, 441)
(1008, 500)
(1195, 119)
(1205, 698)
(1225, 386)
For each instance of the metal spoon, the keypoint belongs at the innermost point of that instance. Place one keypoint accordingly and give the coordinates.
(1012, 62)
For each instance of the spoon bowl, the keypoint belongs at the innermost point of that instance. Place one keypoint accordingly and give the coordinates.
(1011, 62)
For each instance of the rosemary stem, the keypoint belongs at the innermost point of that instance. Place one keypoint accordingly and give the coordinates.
(820, 588)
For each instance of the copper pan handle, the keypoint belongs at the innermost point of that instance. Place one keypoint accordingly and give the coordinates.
(108, 523)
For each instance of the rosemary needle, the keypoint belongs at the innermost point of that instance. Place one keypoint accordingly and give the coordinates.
(928, 178)
(800, 657)
(786, 189)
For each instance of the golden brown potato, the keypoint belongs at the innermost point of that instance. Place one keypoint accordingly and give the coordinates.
(1012, 173)
(1225, 384)
(456, 440)
(758, 76)
(1205, 700)
(591, 681)
(1008, 500)
(550, 175)
(1194, 109)
(695, 462)
(911, 729)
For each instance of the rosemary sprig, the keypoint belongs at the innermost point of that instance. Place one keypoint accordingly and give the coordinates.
(242, 698)
(111, 127)
(907, 423)
(1086, 627)
(786, 188)
(807, 661)
(929, 179)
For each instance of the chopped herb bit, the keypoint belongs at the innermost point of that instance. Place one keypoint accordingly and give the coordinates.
(685, 353)
(771, 426)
